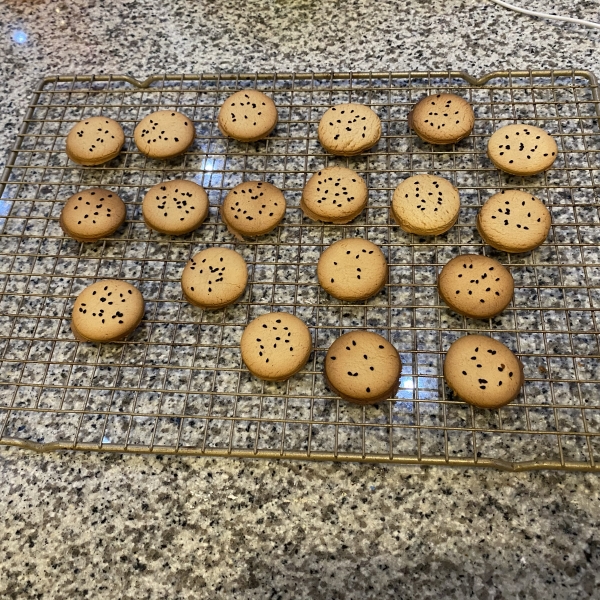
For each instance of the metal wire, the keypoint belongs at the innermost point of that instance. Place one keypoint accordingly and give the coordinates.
(178, 385)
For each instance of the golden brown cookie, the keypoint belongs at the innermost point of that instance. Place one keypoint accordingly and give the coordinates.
(107, 311)
(94, 141)
(164, 134)
(483, 371)
(363, 367)
(425, 205)
(253, 208)
(276, 346)
(514, 221)
(248, 116)
(352, 269)
(92, 214)
(476, 286)
(334, 195)
(175, 207)
(349, 129)
(442, 119)
(214, 278)
(522, 149)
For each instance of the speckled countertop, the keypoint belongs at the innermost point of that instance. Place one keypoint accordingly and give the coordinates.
(110, 526)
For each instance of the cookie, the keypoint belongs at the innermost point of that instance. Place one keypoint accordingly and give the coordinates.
(253, 208)
(275, 346)
(514, 221)
(334, 195)
(522, 149)
(247, 116)
(164, 134)
(442, 119)
(92, 214)
(483, 371)
(425, 205)
(95, 141)
(349, 129)
(175, 207)
(107, 311)
(476, 286)
(352, 269)
(363, 367)
(214, 278)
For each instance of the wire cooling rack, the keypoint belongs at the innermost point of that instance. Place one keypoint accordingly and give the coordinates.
(178, 385)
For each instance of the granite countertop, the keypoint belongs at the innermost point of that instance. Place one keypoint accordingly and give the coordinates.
(79, 525)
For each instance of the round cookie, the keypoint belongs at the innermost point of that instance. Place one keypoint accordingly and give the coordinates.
(95, 141)
(442, 118)
(214, 278)
(483, 371)
(514, 221)
(349, 129)
(175, 207)
(363, 367)
(247, 116)
(334, 195)
(352, 269)
(522, 149)
(164, 134)
(107, 311)
(425, 205)
(476, 286)
(253, 208)
(92, 214)
(275, 346)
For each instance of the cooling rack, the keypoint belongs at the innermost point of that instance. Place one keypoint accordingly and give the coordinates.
(178, 385)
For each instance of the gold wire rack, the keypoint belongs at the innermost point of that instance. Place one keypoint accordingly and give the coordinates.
(178, 385)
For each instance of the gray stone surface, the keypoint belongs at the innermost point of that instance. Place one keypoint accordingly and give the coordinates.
(85, 525)
(151, 527)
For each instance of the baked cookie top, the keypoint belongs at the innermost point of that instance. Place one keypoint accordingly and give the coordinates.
(214, 278)
(253, 208)
(442, 118)
(107, 311)
(94, 141)
(92, 214)
(275, 346)
(363, 367)
(483, 371)
(476, 286)
(352, 269)
(175, 207)
(514, 221)
(248, 116)
(349, 129)
(334, 195)
(164, 134)
(425, 205)
(522, 149)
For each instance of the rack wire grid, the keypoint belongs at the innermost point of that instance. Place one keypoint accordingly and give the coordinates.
(178, 385)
